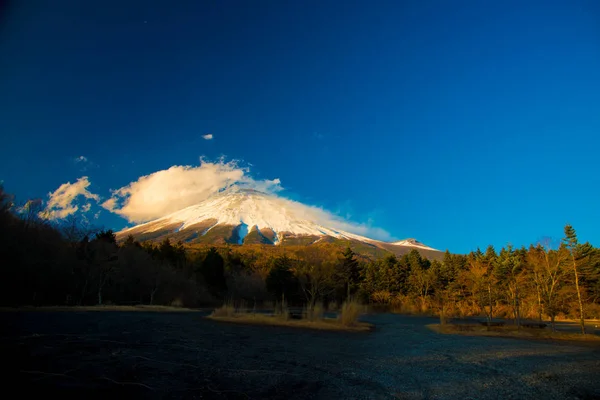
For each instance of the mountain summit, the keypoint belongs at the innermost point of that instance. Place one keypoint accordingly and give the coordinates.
(247, 216)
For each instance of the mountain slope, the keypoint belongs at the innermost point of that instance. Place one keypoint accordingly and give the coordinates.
(245, 216)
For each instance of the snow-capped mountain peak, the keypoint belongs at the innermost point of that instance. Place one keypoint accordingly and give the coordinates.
(241, 207)
(240, 215)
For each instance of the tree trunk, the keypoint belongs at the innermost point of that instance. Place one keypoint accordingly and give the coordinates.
(100, 295)
(491, 316)
(83, 291)
(581, 314)
(540, 306)
(517, 308)
(348, 295)
(442, 310)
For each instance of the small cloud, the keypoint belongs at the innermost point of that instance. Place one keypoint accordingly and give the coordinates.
(110, 204)
(208, 136)
(86, 207)
(97, 215)
(61, 202)
(318, 136)
(84, 163)
(267, 185)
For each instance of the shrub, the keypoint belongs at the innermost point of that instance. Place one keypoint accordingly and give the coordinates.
(243, 307)
(403, 304)
(315, 313)
(349, 313)
(226, 310)
(282, 311)
(592, 311)
(382, 297)
(177, 302)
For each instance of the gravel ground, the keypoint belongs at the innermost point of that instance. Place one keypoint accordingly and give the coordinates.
(181, 355)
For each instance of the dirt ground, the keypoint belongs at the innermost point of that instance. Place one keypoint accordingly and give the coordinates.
(80, 354)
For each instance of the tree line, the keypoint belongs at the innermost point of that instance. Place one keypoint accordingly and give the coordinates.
(70, 263)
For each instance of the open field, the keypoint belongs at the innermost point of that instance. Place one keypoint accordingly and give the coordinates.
(82, 354)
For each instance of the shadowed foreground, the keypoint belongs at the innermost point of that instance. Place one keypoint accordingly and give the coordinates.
(182, 355)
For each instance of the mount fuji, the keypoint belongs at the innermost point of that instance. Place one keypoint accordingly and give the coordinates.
(247, 216)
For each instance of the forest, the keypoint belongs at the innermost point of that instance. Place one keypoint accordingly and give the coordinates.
(71, 263)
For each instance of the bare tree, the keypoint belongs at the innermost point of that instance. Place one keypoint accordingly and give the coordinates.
(104, 262)
(422, 281)
(315, 273)
(548, 270)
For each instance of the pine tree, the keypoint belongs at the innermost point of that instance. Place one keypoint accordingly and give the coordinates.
(348, 271)
(212, 270)
(578, 254)
(281, 281)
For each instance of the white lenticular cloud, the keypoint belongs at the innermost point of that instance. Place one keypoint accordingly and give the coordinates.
(208, 136)
(61, 202)
(164, 192)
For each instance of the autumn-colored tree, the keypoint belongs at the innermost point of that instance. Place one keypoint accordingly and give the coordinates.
(479, 281)
(511, 278)
(422, 281)
(547, 267)
(315, 272)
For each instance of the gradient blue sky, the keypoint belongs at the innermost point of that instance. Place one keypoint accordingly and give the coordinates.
(459, 123)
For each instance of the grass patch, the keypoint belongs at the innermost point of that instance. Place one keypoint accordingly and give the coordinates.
(282, 312)
(226, 310)
(311, 318)
(350, 312)
(330, 324)
(512, 332)
(315, 313)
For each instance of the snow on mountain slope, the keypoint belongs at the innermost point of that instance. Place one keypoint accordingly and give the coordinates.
(413, 243)
(235, 213)
(246, 208)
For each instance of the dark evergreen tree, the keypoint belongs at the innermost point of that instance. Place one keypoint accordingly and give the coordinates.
(106, 236)
(212, 270)
(281, 281)
(348, 273)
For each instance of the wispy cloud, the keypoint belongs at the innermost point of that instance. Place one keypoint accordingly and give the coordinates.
(62, 202)
(84, 163)
(208, 136)
(333, 221)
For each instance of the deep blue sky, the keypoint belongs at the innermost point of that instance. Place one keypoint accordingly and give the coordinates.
(457, 123)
